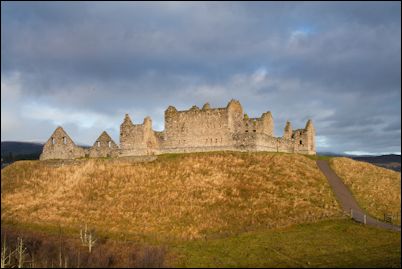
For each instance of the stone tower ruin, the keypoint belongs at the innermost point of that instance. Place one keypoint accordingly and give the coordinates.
(193, 130)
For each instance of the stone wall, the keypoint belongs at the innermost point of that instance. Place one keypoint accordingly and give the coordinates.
(304, 139)
(287, 133)
(104, 146)
(193, 130)
(138, 139)
(196, 128)
(61, 146)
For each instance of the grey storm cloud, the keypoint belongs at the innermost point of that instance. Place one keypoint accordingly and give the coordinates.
(84, 64)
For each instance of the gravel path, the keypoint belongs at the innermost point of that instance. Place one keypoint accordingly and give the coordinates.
(347, 200)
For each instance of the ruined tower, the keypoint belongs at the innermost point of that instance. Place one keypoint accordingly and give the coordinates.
(193, 130)
(137, 139)
(287, 134)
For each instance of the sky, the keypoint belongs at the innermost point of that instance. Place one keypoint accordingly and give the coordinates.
(83, 65)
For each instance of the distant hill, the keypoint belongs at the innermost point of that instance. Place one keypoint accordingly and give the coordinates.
(391, 161)
(380, 159)
(12, 151)
(20, 147)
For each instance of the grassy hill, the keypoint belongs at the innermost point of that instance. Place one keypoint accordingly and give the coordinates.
(187, 210)
(186, 196)
(376, 189)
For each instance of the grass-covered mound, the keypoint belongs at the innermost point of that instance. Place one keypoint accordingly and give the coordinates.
(184, 196)
(376, 189)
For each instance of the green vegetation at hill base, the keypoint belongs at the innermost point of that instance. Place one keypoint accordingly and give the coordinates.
(335, 243)
(329, 243)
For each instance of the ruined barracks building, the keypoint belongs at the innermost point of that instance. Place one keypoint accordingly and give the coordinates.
(193, 130)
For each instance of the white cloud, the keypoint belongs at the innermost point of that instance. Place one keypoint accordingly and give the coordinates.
(322, 142)
(260, 75)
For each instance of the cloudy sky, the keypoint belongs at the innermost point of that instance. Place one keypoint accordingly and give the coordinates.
(84, 65)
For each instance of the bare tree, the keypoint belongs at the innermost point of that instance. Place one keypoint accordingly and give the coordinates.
(88, 238)
(21, 252)
(6, 257)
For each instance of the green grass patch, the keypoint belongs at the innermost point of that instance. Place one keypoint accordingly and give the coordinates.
(338, 243)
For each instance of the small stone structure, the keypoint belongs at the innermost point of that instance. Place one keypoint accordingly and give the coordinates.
(193, 130)
(61, 146)
(104, 146)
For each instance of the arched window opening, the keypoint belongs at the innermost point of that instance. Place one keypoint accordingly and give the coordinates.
(301, 142)
(64, 140)
(53, 141)
(98, 143)
(110, 144)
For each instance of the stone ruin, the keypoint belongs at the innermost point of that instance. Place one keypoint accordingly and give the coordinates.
(193, 130)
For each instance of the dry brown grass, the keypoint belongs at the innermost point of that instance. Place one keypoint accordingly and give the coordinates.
(377, 190)
(177, 196)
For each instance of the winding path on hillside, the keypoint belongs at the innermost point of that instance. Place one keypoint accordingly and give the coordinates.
(347, 200)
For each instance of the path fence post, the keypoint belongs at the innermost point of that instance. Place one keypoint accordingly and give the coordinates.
(365, 219)
(351, 213)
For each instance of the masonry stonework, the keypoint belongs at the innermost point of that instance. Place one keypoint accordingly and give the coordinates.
(193, 130)
(61, 146)
(104, 146)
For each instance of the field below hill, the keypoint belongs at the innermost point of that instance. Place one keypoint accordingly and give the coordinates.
(185, 196)
(221, 209)
(328, 243)
(376, 189)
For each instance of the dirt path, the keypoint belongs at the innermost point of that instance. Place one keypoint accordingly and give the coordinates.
(347, 200)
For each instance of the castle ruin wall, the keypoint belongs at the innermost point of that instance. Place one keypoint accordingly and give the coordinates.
(195, 130)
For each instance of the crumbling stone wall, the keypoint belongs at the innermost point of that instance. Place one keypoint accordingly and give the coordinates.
(195, 130)
(138, 139)
(287, 133)
(304, 139)
(104, 146)
(61, 146)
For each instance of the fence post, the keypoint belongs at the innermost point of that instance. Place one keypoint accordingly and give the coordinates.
(365, 219)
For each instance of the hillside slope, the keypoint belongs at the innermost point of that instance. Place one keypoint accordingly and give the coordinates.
(376, 189)
(181, 196)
